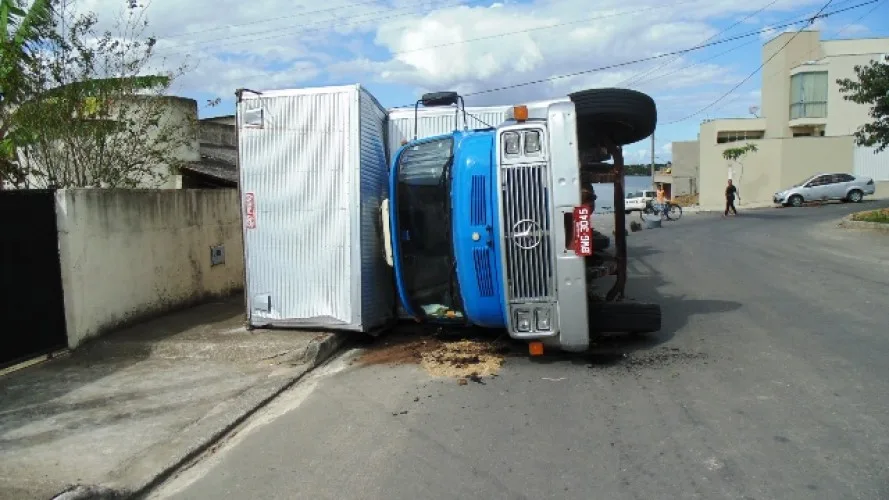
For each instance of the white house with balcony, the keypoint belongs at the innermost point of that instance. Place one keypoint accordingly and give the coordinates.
(805, 125)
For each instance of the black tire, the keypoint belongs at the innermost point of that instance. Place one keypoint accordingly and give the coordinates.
(623, 115)
(674, 213)
(624, 317)
(795, 201)
(600, 241)
(855, 196)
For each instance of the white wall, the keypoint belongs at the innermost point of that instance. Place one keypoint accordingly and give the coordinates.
(130, 254)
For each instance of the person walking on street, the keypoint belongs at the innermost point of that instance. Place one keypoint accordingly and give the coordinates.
(730, 192)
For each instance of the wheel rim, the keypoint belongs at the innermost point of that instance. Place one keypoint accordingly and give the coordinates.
(856, 196)
(675, 212)
(796, 201)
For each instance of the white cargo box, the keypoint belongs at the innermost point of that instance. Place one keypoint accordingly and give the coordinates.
(313, 172)
(439, 121)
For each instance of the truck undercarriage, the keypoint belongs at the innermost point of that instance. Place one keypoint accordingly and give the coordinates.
(608, 119)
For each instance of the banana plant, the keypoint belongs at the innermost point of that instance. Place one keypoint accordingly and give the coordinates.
(19, 31)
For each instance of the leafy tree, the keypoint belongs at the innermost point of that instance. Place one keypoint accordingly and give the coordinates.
(735, 155)
(21, 31)
(97, 116)
(870, 87)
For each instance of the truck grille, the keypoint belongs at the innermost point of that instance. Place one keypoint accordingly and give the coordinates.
(526, 220)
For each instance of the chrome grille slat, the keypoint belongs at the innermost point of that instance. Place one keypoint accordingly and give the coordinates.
(527, 232)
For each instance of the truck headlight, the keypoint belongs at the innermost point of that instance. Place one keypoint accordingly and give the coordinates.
(511, 143)
(542, 319)
(523, 320)
(532, 141)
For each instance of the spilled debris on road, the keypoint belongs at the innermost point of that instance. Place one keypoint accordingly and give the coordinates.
(466, 359)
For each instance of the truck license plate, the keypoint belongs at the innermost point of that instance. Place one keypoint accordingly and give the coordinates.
(583, 231)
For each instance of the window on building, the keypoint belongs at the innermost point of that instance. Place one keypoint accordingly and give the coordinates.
(808, 95)
(742, 135)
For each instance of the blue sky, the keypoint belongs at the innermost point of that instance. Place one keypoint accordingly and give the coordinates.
(399, 49)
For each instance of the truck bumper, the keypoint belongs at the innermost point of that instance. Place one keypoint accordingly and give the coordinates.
(564, 305)
(570, 269)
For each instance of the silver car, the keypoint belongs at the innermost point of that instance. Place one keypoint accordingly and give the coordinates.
(824, 187)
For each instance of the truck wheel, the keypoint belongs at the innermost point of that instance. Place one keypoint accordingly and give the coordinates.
(600, 241)
(624, 317)
(625, 116)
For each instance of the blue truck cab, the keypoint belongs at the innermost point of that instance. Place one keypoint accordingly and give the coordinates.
(492, 227)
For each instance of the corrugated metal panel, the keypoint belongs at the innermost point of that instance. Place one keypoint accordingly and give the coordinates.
(439, 121)
(868, 164)
(300, 167)
(377, 293)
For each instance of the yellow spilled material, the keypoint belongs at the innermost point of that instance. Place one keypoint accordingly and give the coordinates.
(464, 358)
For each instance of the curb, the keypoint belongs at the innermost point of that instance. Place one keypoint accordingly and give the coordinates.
(848, 223)
(317, 352)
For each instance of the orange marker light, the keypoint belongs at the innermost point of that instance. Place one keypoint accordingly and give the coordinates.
(520, 113)
(535, 348)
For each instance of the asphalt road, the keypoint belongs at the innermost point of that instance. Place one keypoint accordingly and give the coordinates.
(769, 380)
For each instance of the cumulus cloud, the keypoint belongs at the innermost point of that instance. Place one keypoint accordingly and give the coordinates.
(470, 46)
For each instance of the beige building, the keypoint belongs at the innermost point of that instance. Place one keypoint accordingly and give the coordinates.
(805, 125)
(684, 172)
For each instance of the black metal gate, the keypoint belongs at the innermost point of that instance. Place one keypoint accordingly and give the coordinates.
(32, 307)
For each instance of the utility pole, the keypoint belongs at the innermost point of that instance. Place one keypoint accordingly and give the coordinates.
(652, 161)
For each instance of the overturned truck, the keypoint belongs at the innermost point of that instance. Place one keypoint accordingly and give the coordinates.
(488, 226)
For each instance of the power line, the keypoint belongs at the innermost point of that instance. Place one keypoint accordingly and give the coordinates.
(229, 40)
(637, 82)
(539, 28)
(742, 82)
(667, 54)
(809, 53)
(812, 51)
(549, 26)
(487, 37)
(634, 79)
(698, 63)
(272, 19)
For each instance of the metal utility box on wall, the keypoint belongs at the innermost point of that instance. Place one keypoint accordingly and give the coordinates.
(313, 173)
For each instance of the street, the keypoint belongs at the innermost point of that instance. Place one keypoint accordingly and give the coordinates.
(769, 379)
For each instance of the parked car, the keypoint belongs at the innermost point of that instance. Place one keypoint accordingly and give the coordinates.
(635, 202)
(824, 187)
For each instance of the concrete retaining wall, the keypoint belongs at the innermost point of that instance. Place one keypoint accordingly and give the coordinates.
(131, 254)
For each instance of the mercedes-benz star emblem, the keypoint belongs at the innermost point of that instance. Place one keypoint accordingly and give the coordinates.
(526, 234)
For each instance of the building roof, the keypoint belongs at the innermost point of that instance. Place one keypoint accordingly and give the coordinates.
(219, 162)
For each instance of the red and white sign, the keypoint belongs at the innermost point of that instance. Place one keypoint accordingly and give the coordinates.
(250, 210)
(583, 231)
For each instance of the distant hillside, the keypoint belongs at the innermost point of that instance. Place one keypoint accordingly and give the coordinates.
(643, 169)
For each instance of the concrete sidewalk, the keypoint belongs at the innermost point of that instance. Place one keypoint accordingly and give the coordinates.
(114, 417)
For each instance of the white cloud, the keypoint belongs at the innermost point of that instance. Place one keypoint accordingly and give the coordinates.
(667, 148)
(460, 45)
(851, 30)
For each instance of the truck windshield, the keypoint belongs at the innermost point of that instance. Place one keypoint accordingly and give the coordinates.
(424, 226)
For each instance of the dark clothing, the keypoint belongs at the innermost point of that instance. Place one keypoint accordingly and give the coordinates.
(730, 192)
(730, 205)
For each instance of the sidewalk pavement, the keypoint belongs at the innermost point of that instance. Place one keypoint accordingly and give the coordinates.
(120, 414)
